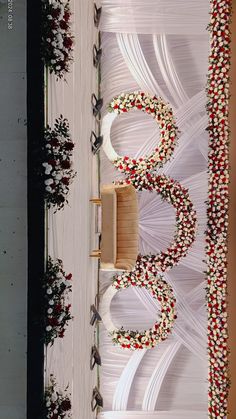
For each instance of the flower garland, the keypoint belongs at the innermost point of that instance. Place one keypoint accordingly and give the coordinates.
(161, 291)
(57, 171)
(218, 198)
(57, 403)
(186, 221)
(163, 114)
(57, 41)
(56, 286)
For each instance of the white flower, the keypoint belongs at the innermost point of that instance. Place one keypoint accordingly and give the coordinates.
(48, 328)
(61, 317)
(54, 398)
(50, 310)
(49, 291)
(48, 181)
(51, 302)
(48, 189)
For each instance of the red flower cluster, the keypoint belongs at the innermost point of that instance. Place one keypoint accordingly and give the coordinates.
(57, 403)
(57, 42)
(57, 312)
(58, 173)
(218, 198)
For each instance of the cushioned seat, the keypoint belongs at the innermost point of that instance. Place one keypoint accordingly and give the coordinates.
(119, 243)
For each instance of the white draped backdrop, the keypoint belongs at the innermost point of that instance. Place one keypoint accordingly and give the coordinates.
(160, 47)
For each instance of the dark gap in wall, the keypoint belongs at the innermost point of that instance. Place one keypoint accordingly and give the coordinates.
(35, 129)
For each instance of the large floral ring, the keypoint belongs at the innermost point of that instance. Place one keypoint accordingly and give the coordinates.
(186, 220)
(161, 291)
(158, 109)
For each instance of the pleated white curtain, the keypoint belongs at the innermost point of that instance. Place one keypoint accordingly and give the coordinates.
(161, 48)
(155, 16)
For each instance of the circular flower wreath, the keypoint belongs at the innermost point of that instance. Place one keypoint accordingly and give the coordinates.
(163, 293)
(163, 114)
(186, 221)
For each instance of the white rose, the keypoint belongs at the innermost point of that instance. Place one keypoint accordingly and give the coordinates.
(48, 328)
(49, 291)
(50, 310)
(54, 398)
(48, 181)
(51, 302)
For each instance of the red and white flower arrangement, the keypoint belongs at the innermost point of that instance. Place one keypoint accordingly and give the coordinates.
(161, 291)
(57, 41)
(186, 220)
(57, 286)
(218, 199)
(57, 402)
(163, 114)
(57, 166)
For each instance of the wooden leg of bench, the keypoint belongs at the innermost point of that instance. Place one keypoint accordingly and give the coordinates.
(96, 201)
(95, 254)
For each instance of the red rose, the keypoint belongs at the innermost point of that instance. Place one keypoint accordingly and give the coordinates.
(68, 43)
(65, 180)
(55, 13)
(54, 142)
(69, 276)
(53, 321)
(68, 146)
(58, 308)
(52, 162)
(64, 25)
(66, 16)
(61, 334)
(65, 164)
(66, 405)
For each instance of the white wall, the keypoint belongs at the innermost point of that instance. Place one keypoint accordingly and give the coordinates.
(13, 211)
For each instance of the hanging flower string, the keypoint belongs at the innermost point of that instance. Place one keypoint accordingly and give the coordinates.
(218, 198)
(186, 220)
(163, 293)
(57, 169)
(57, 286)
(57, 402)
(57, 41)
(163, 114)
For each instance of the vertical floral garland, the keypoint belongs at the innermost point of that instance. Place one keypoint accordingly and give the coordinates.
(216, 235)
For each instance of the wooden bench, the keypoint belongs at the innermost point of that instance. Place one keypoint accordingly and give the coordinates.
(119, 240)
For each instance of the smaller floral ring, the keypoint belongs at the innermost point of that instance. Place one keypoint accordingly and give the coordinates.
(161, 291)
(163, 114)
